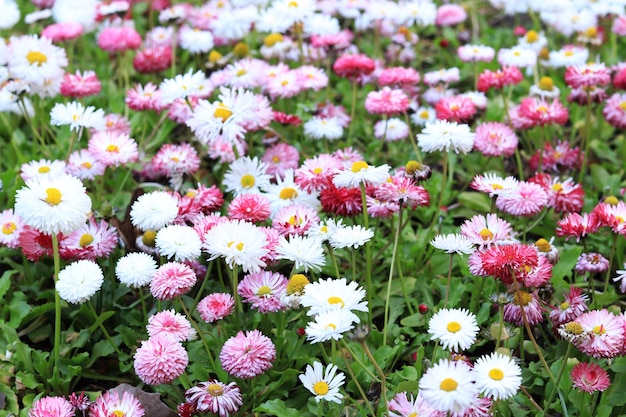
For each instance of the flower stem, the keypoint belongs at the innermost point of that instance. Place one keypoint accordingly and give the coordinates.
(445, 302)
(368, 255)
(358, 386)
(608, 270)
(331, 253)
(393, 258)
(352, 112)
(412, 138)
(381, 374)
(57, 308)
(104, 330)
(558, 378)
(234, 283)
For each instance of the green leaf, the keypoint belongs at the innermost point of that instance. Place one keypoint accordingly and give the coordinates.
(564, 266)
(414, 320)
(5, 282)
(478, 202)
(277, 408)
(10, 398)
(408, 386)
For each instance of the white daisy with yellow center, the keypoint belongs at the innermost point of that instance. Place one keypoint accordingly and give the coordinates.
(456, 329)
(497, 376)
(323, 383)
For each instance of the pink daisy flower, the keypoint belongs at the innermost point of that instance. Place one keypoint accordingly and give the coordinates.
(619, 25)
(457, 109)
(91, 241)
(574, 305)
(172, 160)
(493, 184)
(170, 323)
(216, 306)
(558, 157)
(316, 173)
(51, 406)
(405, 405)
(538, 275)
(578, 226)
(502, 77)
(153, 59)
(379, 209)
(527, 199)
(171, 280)
(146, 97)
(613, 216)
(353, 66)
(35, 244)
(584, 95)
(540, 112)
(590, 377)
(113, 149)
(341, 201)
(563, 196)
(495, 139)
(311, 77)
(398, 76)
(587, 75)
(115, 123)
(450, 15)
(80, 85)
(283, 85)
(247, 355)
(386, 101)
(63, 31)
(110, 403)
(204, 199)
(119, 38)
(279, 158)
(251, 207)
(506, 261)
(295, 219)
(11, 225)
(263, 290)
(486, 230)
(530, 303)
(592, 263)
(604, 334)
(83, 165)
(215, 397)
(160, 360)
(401, 189)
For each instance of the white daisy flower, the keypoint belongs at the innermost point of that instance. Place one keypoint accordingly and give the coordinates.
(286, 192)
(361, 172)
(238, 242)
(423, 116)
(391, 130)
(456, 329)
(42, 168)
(324, 384)
(304, 252)
(324, 229)
(350, 236)
(135, 269)
(497, 376)
(443, 135)
(449, 386)
(79, 281)
(182, 86)
(154, 210)
(32, 59)
(321, 24)
(329, 325)
(179, 242)
(323, 128)
(10, 14)
(195, 41)
(453, 243)
(518, 56)
(246, 175)
(53, 205)
(77, 116)
(332, 295)
(37, 15)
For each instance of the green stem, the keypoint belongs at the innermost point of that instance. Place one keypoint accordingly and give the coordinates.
(558, 378)
(357, 360)
(234, 280)
(445, 302)
(358, 386)
(412, 138)
(200, 334)
(587, 139)
(608, 271)
(57, 308)
(103, 329)
(331, 253)
(389, 280)
(368, 255)
(352, 112)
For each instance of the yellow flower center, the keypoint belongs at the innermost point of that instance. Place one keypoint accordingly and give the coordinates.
(174, 159)
(599, 329)
(564, 305)
(497, 187)
(247, 181)
(424, 114)
(496, 374)
(9, 228)
(573, 328)
(359, 166)
(53, 196)
(288, 193)
(44, 170)
(320, 388)
(317, 170)
(448, 385)
(532, 36)
(85, 240)
(241, 50)
(546, 84)
(296, 284)
(453, 327)
(239, 245)
(293, 4)
(542, 109)
(543, 245)
(86, 165)
(214, 56)
(569, 53)
(336, 300)
(544, 53)
(118, 413)
(241, 72)
(330, 326)
(557, 188)
(112, 148)
(591, 32)
(412, 166)
(486, 234)
(272, 39)
(36, 58)
(215, 390)
(148, 238)
(222, 112)
(612, 200)
(522, 298)
(264, 290)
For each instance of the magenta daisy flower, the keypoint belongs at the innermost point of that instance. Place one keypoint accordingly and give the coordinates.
(508, 261)
(387, 101)
(530, 303)
(216, 306)
(495, 139)
(254, 208)
(172, 280)
(592, 263)
(590, 377)
(295, 219)
(615, 110)
(279, 158)
(486, 230)
(574, 305)
(578, 226)
(263, 290)
(160, 360)
(459, 109)
(91, 241)
(587, 75)
(113, 149)
(527, 199)
(247, 355)
(215, 397)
